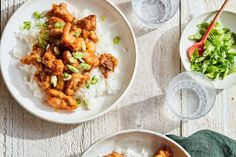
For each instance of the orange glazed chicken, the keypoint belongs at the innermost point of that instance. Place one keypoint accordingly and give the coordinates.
(65, 55)
(114, 154)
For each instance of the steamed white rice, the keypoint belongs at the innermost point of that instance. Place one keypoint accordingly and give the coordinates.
(104, 86)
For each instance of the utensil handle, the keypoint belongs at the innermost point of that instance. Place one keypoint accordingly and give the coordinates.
(213, 23)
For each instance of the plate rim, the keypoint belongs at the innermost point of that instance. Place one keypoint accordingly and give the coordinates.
(92, 117)
(135, 131)
(185, 64)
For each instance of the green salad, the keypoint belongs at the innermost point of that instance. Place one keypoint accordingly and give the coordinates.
(217, 60)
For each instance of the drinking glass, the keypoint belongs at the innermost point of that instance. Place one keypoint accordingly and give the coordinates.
(190, 95)
(153, 12)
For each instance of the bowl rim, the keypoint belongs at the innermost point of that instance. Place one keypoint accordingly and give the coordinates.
(108, 108)
(185, 64)
(135, 131)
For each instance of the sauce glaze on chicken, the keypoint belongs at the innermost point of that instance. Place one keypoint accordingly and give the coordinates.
(65, 56)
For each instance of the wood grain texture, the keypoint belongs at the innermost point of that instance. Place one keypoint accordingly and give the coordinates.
(24, 135)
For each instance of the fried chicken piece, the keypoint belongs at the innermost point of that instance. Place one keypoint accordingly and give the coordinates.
(48, 59)
(77, 81)
(60, 83)
(52, 65)
(88, 23)
(42, 79)
(90, 46)
(91, 59)
(66, 56)
(90, 35)
(61, 12)
(59, 100)
(70, 40)
(54, 30)
(114, 154)
(34, 57)
(165, 152)
(93, 36)
(107, 64)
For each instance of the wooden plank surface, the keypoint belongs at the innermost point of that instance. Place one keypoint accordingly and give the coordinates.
(24, 135)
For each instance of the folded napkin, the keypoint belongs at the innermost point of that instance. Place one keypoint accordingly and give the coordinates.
(206, 143)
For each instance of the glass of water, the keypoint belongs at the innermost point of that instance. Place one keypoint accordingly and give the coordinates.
(190, 95)
(153, 12)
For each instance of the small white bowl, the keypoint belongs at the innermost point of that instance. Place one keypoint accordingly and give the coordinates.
(13, 76)
(227, 19)
(136, 140)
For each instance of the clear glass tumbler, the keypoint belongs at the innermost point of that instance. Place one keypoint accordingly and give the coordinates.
(153, 12)
(190, 95)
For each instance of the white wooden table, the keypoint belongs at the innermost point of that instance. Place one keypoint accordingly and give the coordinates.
(24, 135)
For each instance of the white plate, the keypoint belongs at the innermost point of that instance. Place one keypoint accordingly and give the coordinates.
(227, 19)
(136, 140)
(13, 76)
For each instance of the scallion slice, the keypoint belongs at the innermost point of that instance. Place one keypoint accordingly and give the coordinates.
(67, 76)
(116, 40)
(56, 50)
(54, 81)
(73, 69)
(84, 66)
(26, 25)
(59, 25)
(72, 60)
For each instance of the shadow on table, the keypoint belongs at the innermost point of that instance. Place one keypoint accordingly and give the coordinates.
(150, 114)
(138, 27)
(166, 63)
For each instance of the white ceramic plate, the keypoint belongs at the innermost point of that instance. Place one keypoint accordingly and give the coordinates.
(136, 140)
(227, 19)
(13, 76)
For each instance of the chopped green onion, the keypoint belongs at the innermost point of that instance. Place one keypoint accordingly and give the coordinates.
(42, 43)
(77, 34)
(37, 15)
(88, 85)
(67, 76)
(86, 104)
(116, 40)
(83, 45)
(48, 46)
(103, 18)
(54, 81)
(78, 101)
(41, 25)
(44, 36)
(78, 55)
(56, 50)
(94, 80)
(59, 25)
(73, 69)
(39, 59)
(27, 25)
(72, 60)
(196, 37)
(84, 66)
(217, 59)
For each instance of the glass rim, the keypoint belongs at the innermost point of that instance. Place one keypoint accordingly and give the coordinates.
(155, 24)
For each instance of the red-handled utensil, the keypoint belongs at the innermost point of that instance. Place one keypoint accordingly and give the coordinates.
(200, 45)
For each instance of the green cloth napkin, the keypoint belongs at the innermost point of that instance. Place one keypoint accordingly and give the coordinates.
(206, 143)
